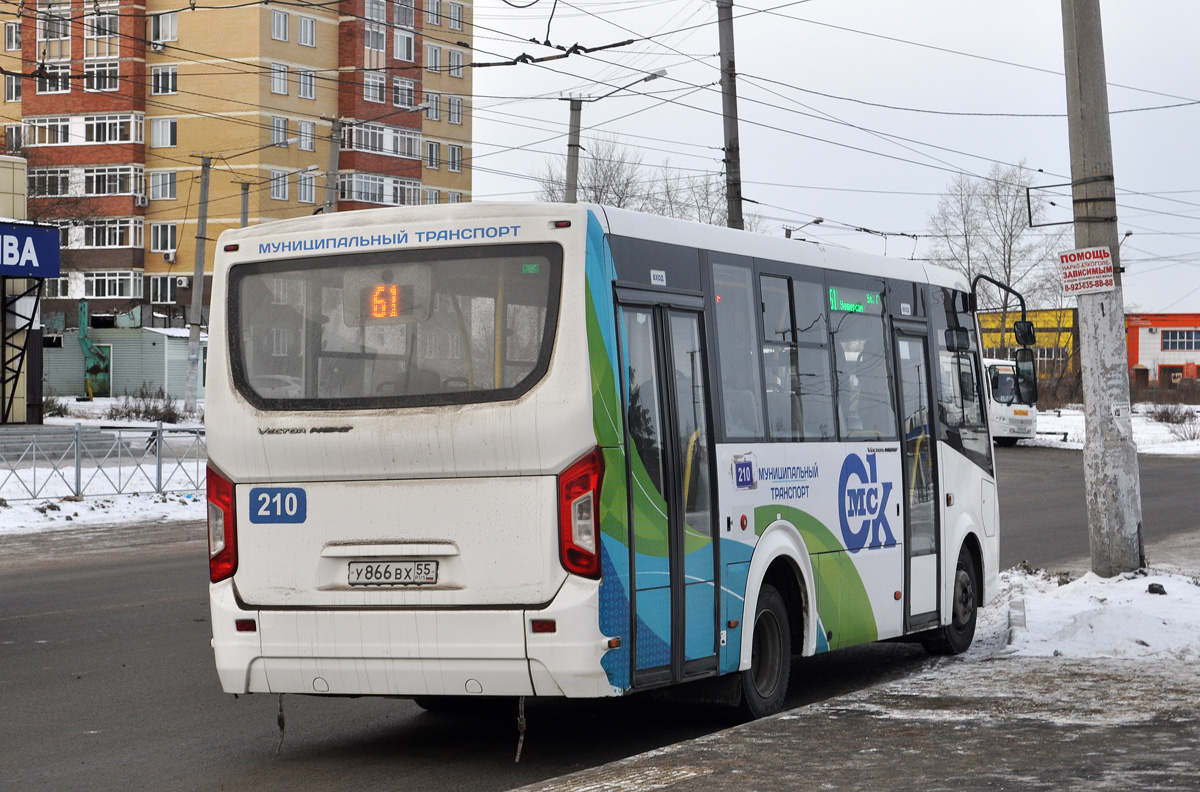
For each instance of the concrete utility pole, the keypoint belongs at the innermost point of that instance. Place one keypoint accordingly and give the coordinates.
(733, 151)
(331, 173)
(572, 189)
(196, 315)
(1112, 482)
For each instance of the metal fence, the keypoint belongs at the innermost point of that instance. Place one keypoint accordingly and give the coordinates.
(105, 460)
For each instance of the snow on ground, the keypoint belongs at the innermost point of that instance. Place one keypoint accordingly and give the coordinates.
(1151, 436)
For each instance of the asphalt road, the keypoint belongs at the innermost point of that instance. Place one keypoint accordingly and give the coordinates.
(1043, 511)
(106, 676)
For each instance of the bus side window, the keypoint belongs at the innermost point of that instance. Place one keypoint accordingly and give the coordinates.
(737, 352)
(864, 395)
(796, 360)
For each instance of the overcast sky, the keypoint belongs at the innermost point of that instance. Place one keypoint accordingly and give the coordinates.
(847, 107)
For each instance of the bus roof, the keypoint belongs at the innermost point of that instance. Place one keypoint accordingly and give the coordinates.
(620, 222)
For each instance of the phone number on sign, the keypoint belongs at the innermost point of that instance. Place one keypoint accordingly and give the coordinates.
(1092, 284)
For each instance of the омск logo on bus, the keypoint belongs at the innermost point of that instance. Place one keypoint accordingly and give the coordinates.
(863, 500)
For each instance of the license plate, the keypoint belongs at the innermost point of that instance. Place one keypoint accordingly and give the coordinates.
(393, 573)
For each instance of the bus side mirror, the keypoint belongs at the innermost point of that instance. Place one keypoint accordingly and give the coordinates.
(1024, 333)
(957, 339)
(1027, 388)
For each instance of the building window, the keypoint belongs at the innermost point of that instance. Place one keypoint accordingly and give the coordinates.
(164, 27)
(431, 196)
(455, 161)
(12, 138)
(308, 32)
(453, 197)
(279, 185)
(122, 232)
(46, 131)
(1180, 340)
(49, 182)
(113, 129)
(306, 84)
(374, 86)
(306, 188)
(432, 154)
(162, 289)
(362, 187)
(404, 44)
(454, 108)
(279, 131)
(433, 106)
(162, 237)
(53, 79)
(456, 63)
(279, 78)
(100, 31)
(403, 93)
(456, 16)
(12, 36)
(375, 38)
(368, 137)
(54, 30)
(162, 133)
(406, 143)
(406, 13)
(112, 284)
(55, 288)
(126, 180)
(306, 131)
(100, 76)
(162, 185)
(164, 80)
(433, 12)
(12, 87)
(433, 58)
(279, 25)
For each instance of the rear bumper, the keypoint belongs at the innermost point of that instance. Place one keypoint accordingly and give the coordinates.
(413, 652)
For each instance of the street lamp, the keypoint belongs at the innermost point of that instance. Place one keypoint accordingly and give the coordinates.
(787, 230)
(572, 188)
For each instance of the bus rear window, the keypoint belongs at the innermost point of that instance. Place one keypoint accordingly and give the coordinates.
(441, 326)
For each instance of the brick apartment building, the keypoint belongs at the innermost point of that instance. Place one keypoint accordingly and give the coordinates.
(113, 103)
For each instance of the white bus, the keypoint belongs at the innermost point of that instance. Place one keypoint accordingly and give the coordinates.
(1009, 417)
(567, 450)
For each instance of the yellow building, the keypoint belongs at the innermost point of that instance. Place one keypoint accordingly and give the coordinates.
(447, 120)
(1057, 338)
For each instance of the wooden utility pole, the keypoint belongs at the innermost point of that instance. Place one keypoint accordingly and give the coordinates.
(195, 316)
(733, 152)
(1111, 477)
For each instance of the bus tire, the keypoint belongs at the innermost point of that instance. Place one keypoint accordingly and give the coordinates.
(1006, 442)
(955, 637)
(765, 683)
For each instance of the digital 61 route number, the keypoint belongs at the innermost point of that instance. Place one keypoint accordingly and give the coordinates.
(278, 505)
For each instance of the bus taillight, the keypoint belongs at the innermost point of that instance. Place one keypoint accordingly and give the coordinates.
(578, 499)
(222, 527)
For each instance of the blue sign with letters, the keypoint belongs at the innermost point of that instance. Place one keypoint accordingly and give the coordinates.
(28, 251)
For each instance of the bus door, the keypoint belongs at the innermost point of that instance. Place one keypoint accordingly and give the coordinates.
(920, 491)
(672, 553)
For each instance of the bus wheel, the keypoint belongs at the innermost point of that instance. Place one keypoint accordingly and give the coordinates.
(1006, 442)
(955, 637)
(765, 683)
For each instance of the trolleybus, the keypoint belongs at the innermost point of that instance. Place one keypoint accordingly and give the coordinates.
(569, 450)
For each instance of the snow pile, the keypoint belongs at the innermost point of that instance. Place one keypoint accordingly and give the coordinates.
(1119, 617)
(1041, 615)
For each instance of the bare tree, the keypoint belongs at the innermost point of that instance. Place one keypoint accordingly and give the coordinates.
(613, 174)
(982, 227)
